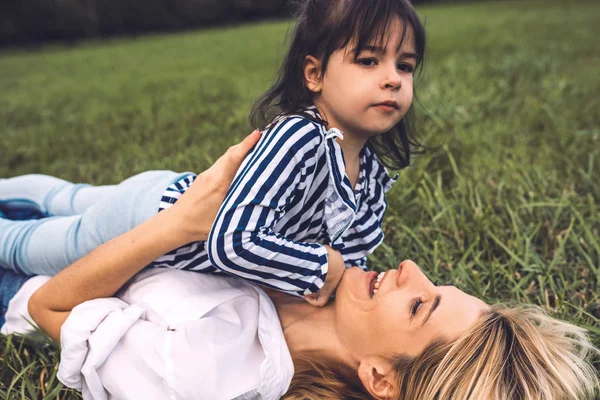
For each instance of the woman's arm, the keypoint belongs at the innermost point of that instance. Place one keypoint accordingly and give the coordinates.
(102, 272)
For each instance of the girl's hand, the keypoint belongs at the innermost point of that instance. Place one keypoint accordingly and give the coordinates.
(336, 268)
(197, 208)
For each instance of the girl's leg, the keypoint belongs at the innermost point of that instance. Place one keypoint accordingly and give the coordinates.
(48, 245)
(49, 195)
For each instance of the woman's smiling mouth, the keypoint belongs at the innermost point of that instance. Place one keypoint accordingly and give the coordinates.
(375, 282)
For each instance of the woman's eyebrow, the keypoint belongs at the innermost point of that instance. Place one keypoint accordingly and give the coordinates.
(435, 305)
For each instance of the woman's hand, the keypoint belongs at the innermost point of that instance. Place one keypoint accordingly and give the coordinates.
(198, 206)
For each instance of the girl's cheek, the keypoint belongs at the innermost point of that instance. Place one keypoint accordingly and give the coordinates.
(409, 94)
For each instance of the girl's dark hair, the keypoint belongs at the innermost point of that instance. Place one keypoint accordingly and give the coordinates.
(324, 26)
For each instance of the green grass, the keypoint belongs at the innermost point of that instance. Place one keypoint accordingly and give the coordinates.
(505, 204)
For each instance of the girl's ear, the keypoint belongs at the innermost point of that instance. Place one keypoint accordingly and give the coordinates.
(377, 376)
(312, 74)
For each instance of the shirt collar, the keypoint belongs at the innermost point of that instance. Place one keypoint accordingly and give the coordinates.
(369, 160)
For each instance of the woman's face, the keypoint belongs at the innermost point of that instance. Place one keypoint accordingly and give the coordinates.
(404, 316)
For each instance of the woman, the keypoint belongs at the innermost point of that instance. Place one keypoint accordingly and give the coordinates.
(175, 334)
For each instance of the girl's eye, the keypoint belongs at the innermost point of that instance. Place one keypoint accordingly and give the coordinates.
(415, 307)
(367, 62)
(406, 68)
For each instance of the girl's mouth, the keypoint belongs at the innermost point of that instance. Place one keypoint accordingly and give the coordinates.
(388, 106)
(385, 108)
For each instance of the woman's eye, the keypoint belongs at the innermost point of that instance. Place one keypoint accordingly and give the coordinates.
(406, 68)
(367, 62)
(415, 306)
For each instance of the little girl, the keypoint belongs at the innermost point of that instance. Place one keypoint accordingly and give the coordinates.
(307, 201)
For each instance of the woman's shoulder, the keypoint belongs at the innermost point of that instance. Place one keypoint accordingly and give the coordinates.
(177, 295)
(221, 320)
(241, 331)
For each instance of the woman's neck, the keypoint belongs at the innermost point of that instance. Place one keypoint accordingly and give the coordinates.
(308, 328)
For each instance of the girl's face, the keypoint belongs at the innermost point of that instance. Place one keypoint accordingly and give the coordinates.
(406, 314)
(368, 95)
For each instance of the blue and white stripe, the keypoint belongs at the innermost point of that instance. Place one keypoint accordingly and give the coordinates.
(174, 191)
(290, 196)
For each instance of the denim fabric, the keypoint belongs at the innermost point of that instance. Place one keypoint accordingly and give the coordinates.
(77, 218)
(10, 283)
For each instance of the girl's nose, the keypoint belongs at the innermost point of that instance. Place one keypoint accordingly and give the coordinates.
(395, 85)
(392, 79)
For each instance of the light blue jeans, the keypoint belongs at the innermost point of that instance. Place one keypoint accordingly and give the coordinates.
(77, 217)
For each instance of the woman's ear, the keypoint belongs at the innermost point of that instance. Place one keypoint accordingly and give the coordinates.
(312, 74)
(377, 376)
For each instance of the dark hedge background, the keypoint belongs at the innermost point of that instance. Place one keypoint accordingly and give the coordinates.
(33, 21)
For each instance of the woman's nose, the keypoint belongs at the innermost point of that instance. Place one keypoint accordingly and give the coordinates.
(406, 271)
(408, 264)
(410, 273)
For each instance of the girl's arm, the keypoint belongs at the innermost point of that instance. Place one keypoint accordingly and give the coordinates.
(102, 272)
(243, 241)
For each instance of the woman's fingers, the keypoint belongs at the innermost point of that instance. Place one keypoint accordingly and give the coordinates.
(228, 164)
(199, 205)
(240, 150)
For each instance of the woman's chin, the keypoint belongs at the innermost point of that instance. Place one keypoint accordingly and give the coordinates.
(354, 287)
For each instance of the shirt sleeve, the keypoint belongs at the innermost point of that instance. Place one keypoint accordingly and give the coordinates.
(242, 241)
(361, 262)
(17, 316)
(175, 190)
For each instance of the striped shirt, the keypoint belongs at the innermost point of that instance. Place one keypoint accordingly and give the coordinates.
(290, 196)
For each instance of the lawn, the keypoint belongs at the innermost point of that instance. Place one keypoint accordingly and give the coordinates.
(505, 203)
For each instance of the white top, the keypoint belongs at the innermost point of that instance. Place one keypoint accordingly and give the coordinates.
(170, 334)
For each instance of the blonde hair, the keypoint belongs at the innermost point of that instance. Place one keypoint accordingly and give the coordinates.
(510, 353)
(320, 377)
